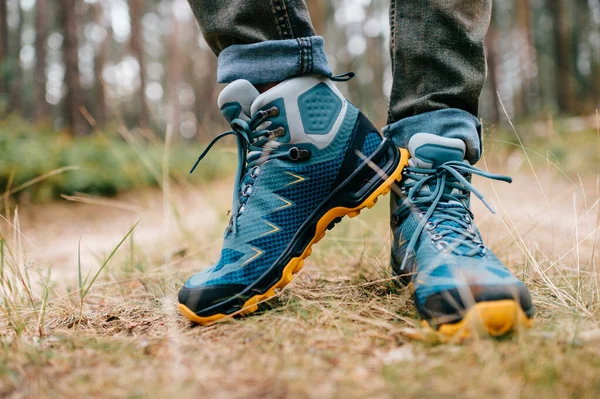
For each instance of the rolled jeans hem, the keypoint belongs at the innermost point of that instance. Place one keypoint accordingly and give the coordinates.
(273, 60)
(449, 122)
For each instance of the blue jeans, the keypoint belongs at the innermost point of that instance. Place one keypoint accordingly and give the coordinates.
(436, 47)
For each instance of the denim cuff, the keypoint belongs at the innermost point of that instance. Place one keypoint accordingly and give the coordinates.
(273, 61)
(450, 122)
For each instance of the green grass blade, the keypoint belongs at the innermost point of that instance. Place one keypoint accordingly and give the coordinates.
(80, 283)
(114, 251)
(1, 259)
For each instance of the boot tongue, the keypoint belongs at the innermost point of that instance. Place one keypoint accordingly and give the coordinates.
(236, 100)
(430, 151)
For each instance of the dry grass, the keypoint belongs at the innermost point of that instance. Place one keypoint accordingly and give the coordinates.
(341, 329)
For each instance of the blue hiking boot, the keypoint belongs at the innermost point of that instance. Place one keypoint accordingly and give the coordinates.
(459, 284)
(306, 158)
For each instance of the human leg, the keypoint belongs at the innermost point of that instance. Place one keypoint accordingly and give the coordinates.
(261, 41)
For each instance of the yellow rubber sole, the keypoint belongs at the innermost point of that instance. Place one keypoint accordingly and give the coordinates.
(494, 318)
(296, 264)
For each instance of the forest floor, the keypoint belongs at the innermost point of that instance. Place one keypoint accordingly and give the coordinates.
(342, 328)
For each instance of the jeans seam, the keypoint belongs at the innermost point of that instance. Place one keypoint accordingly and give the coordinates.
(311, 58)
(305, 56)
(299, 69)
(308, 64)
(282, 19)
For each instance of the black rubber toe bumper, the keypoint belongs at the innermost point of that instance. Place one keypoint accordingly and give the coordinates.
(449, 306)
(203, 298)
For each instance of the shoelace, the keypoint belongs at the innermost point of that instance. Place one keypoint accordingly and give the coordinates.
(440, 195)
(255, 147)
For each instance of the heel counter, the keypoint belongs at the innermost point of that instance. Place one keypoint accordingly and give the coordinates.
(364, 137)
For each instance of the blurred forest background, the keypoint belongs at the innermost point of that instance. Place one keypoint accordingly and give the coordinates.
(85, 66)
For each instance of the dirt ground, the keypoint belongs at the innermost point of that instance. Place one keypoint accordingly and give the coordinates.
(545, 212)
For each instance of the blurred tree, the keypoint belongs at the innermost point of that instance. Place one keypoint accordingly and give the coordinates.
(136, 45)
(585, 49)
(3, 48)
(526, 57)
(16, 72)
(174, 74)
(204, 66)
(74, 97)
(563, 55)
(543, 56)
(102, 50)
(492, 61)
(41, 34)
(318, 15)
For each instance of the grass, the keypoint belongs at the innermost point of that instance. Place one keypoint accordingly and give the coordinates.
(341, 329)
(41, 164)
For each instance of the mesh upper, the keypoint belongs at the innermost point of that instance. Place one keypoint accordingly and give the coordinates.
(371, 143)
(437, 271)
(303, 185)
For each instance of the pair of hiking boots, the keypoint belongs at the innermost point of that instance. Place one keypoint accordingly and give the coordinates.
(306, 158)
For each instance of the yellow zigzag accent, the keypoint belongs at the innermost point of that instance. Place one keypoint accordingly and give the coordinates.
(298, 178)
(258, 253)
(287, 203)
(275, 229)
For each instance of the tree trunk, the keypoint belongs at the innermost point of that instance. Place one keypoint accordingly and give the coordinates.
(205, 82)
(318, 15)
(526, 55)
(73, 100)
(99, 62)
(41, 17)
(562, 54)
(492, 63)
(16, 73)
(136, 44)
(4, 55)
(174, 74)
(586, 90)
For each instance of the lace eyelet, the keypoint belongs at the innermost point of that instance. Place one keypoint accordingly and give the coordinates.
(430, 226)
(298, 154)
(443, 246)
(246, 190)
(436, 237)
(470, 229)
(254, 172)
(242, 209)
